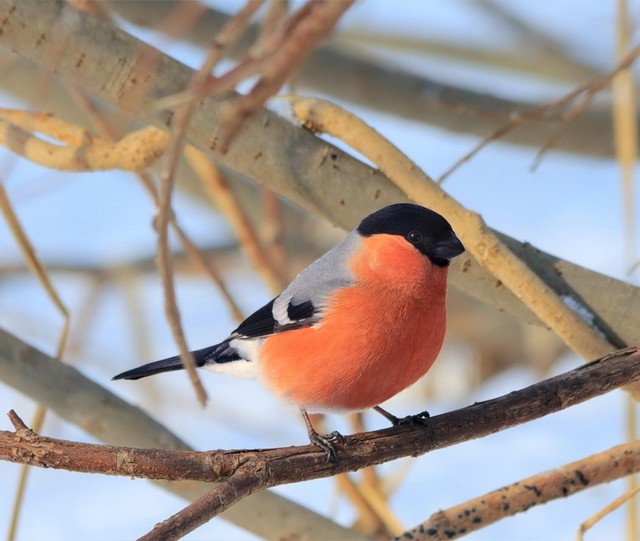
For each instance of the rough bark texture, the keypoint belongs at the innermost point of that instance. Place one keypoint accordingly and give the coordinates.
(292, 464)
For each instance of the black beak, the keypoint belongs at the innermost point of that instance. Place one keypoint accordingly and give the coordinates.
(450, 248)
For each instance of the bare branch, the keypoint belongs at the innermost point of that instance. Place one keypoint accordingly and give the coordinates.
(418, 98)
(517, 497)
(316, 175)
(17, 423)
(239, 485)
(134, 152)
(301, 33)
(42, 275)
(256, 470)
(293, 464)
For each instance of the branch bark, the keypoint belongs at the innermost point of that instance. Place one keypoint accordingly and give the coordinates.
(261, 469)
(517, 497)
(289, 160)
(407, 95)
(306, 462)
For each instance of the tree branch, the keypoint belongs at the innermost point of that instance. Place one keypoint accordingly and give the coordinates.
(239, 485)
(357, 79)
(301, 463)
(260, 469)
(310, 172)
(517, 497)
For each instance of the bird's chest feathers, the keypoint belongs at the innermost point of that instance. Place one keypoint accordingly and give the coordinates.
(376, 337)
(390, 265)
(398, 301)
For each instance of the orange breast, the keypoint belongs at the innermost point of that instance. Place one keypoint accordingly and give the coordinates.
(377, 337)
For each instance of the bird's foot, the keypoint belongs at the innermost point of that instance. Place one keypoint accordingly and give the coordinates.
(422, 419)
(327, 444)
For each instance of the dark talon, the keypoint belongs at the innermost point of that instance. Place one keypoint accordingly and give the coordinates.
(420, 419)
(327, 444)
(335, 436)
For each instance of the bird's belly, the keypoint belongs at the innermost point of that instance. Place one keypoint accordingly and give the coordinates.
(386, 344)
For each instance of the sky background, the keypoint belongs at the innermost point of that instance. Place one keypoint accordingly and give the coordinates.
(569, 206)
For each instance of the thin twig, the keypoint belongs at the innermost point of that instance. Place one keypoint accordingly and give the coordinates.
(151, 147)
(555, 111)
(625, 130)
(182, 118)
(535, 37)
(310, 24)
(597, 517)
(368, 520)
(40, 272)
(584, 99)
(219, 192)
(203, 82)
(16, 421)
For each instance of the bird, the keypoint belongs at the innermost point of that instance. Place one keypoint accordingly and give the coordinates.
(360, 324)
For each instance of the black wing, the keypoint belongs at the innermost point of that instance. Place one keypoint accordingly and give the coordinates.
(300, 312)
(262, 323)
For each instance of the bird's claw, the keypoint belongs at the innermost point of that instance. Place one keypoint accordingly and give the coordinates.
(335, 436)
(328, 444)
(422, 419)
(419, 419)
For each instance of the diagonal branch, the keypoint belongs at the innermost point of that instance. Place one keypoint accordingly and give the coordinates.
(292, 162)
(225, 494)
(301, 463)
(517, 497)
(369, 83)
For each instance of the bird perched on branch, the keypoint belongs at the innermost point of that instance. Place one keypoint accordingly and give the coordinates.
(356, 327)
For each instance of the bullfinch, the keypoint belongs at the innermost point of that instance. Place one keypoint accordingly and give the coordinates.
(357, 326)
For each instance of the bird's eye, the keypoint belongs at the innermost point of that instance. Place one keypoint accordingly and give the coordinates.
(414, 237)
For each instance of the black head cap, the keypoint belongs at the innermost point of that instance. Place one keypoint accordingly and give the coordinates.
(425, 229)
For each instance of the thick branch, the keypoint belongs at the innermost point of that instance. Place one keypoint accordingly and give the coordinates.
(358, 79)
(289, 160)
(246, 472)
(293, 464)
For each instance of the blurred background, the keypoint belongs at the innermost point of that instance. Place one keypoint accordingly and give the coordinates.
(478, 61)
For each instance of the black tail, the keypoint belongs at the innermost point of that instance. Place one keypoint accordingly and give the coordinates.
(220, 353)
